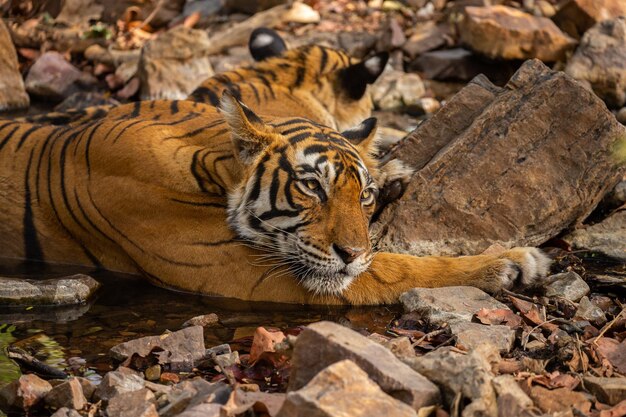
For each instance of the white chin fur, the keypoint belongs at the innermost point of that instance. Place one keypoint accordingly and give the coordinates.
(327, 284)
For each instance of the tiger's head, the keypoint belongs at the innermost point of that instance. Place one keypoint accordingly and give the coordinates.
(306, 195)
(336, 81)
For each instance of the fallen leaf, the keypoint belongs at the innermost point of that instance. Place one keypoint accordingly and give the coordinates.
(613, 351)
(499, 316)
(558, 400)
(533, 313)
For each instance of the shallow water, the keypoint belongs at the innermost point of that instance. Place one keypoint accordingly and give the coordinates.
(127, 307)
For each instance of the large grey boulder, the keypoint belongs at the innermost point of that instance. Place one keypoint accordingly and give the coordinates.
(12, 92)
(514, 166)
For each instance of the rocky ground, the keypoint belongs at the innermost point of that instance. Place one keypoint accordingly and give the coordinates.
(559, 350)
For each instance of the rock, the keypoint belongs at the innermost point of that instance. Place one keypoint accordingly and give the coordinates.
(506, 385)
(568, 285)
(180, 350)
(600, 60)
(206, 320)
(169, 378)
(12, 92)
(227, 360)
(191, 393)
(251, 7)
(576, 16)
(264, 341)
(426, 37)
(24, 394)
(153, 373)
(140, 403)
(590, 312)
(75, 289)
(79, 12)
(301, 13)
(447, 304)
(607, 390)
(397, 90)
(400, 346)
(472, 335)
(66, 412)
(53, 78)
(483, 132)
(172, 65)
(448, 64)
(342, 389)
(324, 343)
(118, 382)
(467, 374)
(67, 394)
(203, 410)
(427, 105)
(506, 33)
(621, 117)
(607, 236)
(357, 44)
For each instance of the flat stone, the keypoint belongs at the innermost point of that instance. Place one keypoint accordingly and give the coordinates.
(118, 382)
(576, 16)
(507, 33)
(324, 343)
(52, 77)
(483, 132)
(590, 312)
(447, 304)
(568, 285)
(173, 64)
(205, 320)
(24, 394)
(607, 237)
(12, 91)
(67, 394)
(472, 335)
(140, 403)
(426, 37)
(607, 390)
(180, 350)
(342, 389)
(455, 372)
(75, 289)
(600, 61)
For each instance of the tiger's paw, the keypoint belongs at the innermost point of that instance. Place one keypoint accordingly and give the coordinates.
(523, 267)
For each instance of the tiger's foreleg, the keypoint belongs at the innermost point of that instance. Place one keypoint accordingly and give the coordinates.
(392, 274)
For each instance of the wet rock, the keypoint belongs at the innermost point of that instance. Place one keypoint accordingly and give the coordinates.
(576, 16)
(118, 382)
(180, 350)
(205, 320)
(12, 92)
(24, 394)
(507, 33)
(600, 60)
(342, 389)
(75, 289)
(53, 78)
(85, 99)
(507, 386)
(568, 285)
(324, 343)
(607, 236)
(67, 394)
(590, 312)
(66, 412)
(467, 374)
(397, 90)
(426, 37)
(607, 390)
(472, 335)
(447, 304)
(140, 403)
(172, 65)
(483, 132)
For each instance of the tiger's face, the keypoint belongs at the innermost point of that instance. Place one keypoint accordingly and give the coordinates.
(306, 197)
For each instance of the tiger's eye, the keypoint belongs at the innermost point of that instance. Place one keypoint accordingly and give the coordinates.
(366, 194)
(312, 184)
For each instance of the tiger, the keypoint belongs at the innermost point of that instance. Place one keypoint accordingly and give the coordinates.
(316, 82)
(221, 202)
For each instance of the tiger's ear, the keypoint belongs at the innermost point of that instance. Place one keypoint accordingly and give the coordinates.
(265, 43)
(250, 135)
(356, 77)
(364, 136)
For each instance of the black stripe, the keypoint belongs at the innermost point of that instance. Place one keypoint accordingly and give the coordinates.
(32, 247)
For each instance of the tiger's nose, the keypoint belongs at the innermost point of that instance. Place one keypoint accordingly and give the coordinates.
(347, 254)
